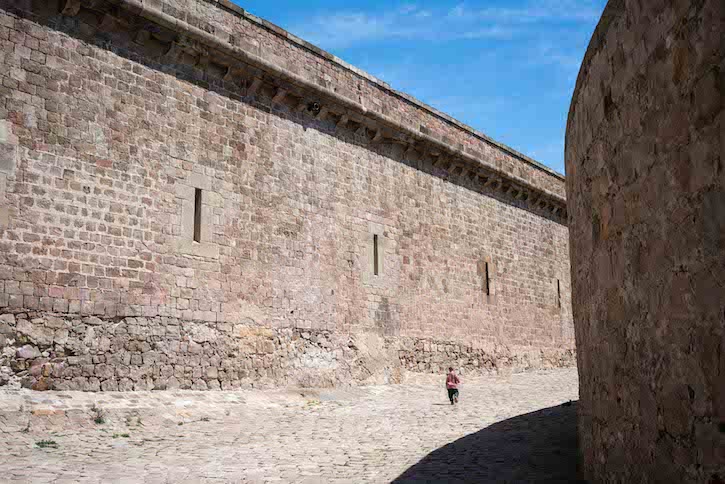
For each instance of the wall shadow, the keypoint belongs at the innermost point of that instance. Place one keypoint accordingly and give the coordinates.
(539, 446)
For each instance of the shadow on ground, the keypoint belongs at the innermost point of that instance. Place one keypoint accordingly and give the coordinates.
(539, 446)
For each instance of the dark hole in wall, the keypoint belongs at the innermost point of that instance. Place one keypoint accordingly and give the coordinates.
(197, 215)
(488, 282)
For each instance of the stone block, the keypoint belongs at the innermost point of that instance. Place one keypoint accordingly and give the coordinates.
(27, 352)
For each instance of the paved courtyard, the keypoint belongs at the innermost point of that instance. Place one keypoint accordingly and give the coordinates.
(505, 429)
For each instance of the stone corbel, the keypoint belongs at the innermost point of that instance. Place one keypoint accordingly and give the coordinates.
(362, 130)
(456, 169)
(342, 121)
(232, 74)
(72, 7)
(109, 23)
(428, 157)
(279, 95)
(409, 151)
(142, 36)
(322, 115)
(521, 194)
(203, 62)
(174, 52)
(490, 181)
(378, 136)
(254, 86)
(301, 105)
(440, 160)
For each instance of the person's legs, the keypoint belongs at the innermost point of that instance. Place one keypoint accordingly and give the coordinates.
(455, 396)
(450, 395)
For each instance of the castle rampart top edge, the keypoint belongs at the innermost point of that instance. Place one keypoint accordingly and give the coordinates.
(226, 4)
(493, 167)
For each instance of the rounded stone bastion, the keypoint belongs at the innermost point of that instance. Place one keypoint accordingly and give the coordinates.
(645, 149)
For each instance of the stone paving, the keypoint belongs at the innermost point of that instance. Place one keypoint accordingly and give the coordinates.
(505, 429)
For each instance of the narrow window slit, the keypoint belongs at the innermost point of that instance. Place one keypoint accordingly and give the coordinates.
(197, 215)
(375, 255)
(488, 282)
(558, 294)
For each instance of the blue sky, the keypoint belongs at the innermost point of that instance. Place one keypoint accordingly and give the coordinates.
(504, 67)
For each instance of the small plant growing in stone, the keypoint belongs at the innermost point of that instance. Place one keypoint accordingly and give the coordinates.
(124, 435)
(204, 419)
(98, 416)
(43, 444)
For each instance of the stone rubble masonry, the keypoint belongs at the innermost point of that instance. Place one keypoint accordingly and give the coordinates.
(88, 353)
(645, 163)
(110, 124)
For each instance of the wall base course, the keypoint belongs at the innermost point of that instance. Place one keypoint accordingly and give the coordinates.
(46, 351)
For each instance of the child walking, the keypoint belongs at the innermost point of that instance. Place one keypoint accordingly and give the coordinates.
(452, 382)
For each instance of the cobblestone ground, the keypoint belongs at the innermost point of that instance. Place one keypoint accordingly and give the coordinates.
(370, 434)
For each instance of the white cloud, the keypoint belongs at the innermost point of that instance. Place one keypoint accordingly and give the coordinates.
(523, 39)
(495, 32)
(457, 12)
(408, 21)
(533, 11)
(409, 8)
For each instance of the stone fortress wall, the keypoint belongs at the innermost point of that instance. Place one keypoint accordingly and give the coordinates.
(645, 155)
(192, 197)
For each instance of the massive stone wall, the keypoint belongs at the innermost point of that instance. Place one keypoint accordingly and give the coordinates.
(192, 198)
(645, 155)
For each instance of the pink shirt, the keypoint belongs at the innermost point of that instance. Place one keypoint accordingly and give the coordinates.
(452, 381)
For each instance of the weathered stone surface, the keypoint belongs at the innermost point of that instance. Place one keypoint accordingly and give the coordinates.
(27, 352)
(117, 123)
(646, 194)
(117, 355)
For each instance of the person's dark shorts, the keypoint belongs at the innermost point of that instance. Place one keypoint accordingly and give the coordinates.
(452, 393)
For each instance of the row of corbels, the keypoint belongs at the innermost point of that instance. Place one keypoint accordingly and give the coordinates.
(255, 83)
